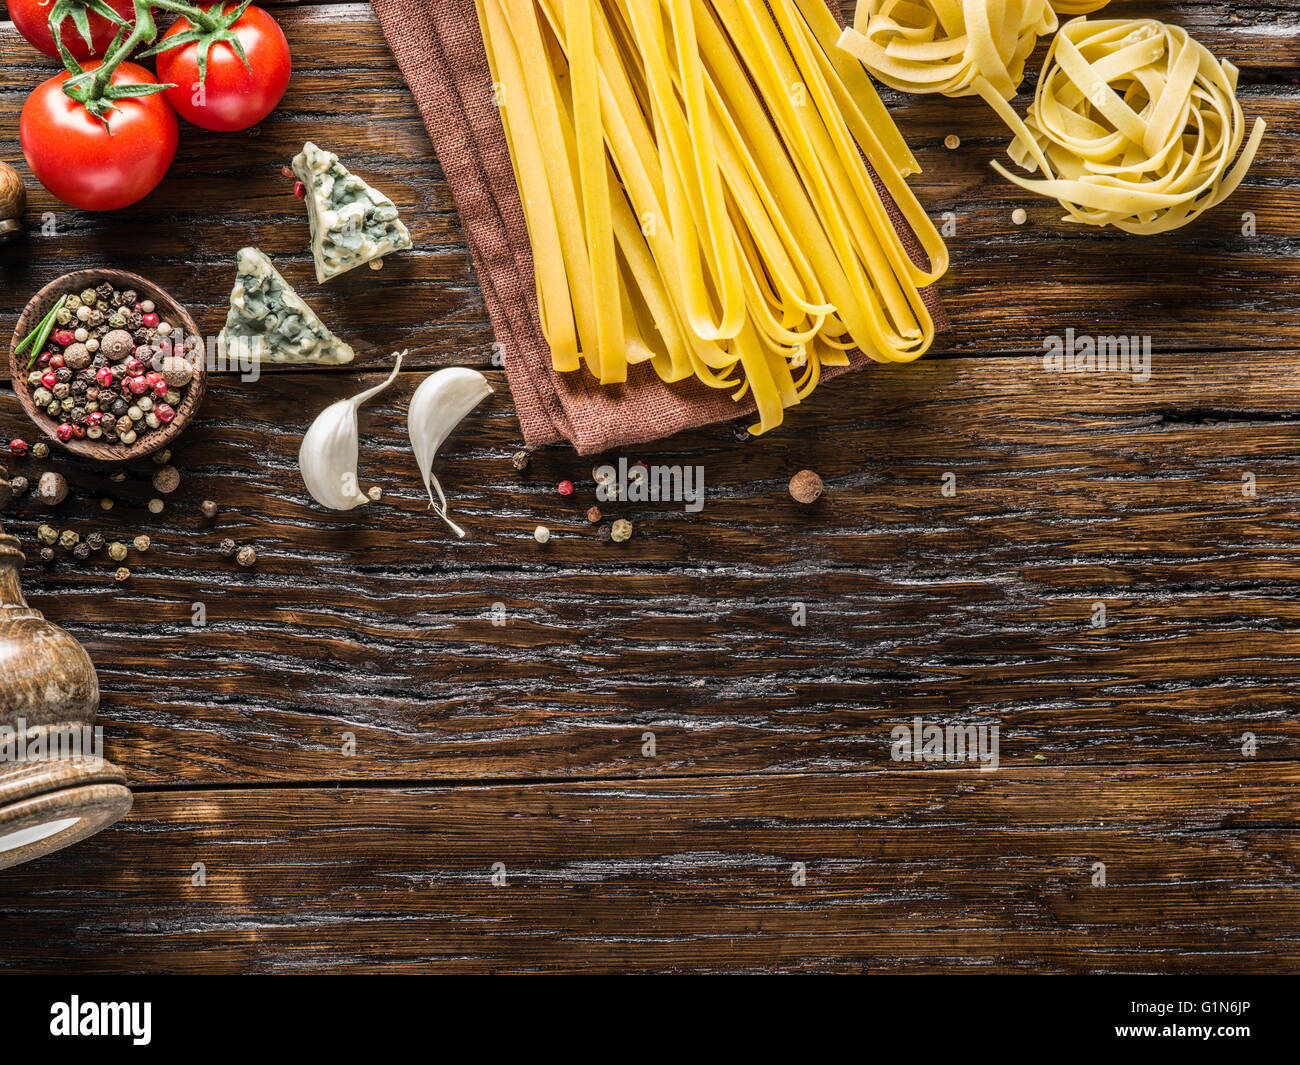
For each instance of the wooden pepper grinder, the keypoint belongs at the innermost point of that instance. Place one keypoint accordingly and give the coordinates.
(55, 788)
(13, 198)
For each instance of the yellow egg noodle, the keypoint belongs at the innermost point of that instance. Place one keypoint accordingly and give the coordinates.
(695, 182)
(1134, 124)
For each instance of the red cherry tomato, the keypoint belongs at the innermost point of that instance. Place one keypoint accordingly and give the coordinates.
(32, 20)
(87, 166)
(233, 96)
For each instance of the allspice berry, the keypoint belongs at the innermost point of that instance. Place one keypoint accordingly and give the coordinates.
(806, 487)
(116, 344)
(176, 371)
(209, 508)
(167, 479)
(246, 556)
(51, 489)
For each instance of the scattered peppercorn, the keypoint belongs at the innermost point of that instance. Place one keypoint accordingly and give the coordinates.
(593, 515)
(246, 555)
(541, 534)
(40, 449)
(952, 142)
(605, 531)
(519, 460)
(106, 503)
(47, 554)
(167, 479)
(117, 550)
(156, 506)
(285, 172)
(376, 494)
(51, 489)
(376, 264)
(805, 487)
(122, 574)
(1019, 216)
(621, 530)
(68, 539)
(19, 485)
(565, 488)
(18, 445)
(228, 547)
(141, 543)
(209, 508)
(47, 535)
(95, 541)
(300, 190)
(81, 550)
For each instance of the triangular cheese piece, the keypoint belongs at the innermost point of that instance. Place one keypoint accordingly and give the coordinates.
(351, 222)
(269, 322)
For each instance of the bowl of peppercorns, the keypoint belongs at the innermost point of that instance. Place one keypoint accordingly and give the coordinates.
(107, 364)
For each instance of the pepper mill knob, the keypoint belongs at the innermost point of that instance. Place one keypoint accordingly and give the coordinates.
(56, 788)
(13, 199)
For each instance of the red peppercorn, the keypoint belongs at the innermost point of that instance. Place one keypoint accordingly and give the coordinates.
(164, 412)
(64, 431)
(137, 386)
(94, 417)
(18, 445)
(161, 388)
(149, 320)
(565, 488)
(45, 358)
(57, 362)
(64, 337)
(300, 190)
(78, 431)
(104, 376)
(49, 379)
(134, 366)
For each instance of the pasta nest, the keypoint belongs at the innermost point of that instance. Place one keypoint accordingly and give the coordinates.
(954, 47)
(1134, 124)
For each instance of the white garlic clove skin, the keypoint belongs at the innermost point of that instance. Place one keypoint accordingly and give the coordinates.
(330, 449)
(440, 404)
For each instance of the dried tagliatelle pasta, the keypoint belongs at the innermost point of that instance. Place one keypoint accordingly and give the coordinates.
(1135, 125)
(954, 47)
(695, 179)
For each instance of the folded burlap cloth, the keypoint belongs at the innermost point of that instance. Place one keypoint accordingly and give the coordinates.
(439, 48)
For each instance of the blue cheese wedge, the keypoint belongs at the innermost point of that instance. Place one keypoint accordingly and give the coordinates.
(269, 322)
(351, 223)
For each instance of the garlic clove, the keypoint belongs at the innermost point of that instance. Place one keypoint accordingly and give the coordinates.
(440, 404)
(328, 455)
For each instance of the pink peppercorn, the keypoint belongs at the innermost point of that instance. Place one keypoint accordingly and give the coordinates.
(164, 411)
(300, 190)
(78, 431)
(565, 488)
(149, 320)
(134, 366)
(138, 386)
(64, 431)
(64, 337)
(104, 376)
(161, 388)
(94, 417)
(45, 358)
(18, 445)
(57, 362)
(49, 379)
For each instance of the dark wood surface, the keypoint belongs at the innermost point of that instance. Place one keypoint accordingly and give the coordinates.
(522, 743)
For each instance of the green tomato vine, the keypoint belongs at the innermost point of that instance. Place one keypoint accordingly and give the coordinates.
(93, 89)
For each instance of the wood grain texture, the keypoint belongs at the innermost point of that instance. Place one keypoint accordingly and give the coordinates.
(349, 743)
(1071, 490)
(1205, 287)
(916, 872)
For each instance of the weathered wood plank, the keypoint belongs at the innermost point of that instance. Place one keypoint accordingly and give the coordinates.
(1071, 490)
(1205, 287)
(923, 872)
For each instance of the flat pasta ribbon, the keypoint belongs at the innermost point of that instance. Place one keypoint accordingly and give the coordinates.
(697, 181)
(1134, 125)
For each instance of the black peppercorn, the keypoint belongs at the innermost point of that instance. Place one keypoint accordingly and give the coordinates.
(605, 532)
(81, 550)
(519, 460)
(95, 541)
(228, 547)
(104, 292)
(120, 407)
(47, 554)
(63, 375)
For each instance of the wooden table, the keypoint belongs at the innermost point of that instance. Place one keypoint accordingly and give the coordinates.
(388, 750)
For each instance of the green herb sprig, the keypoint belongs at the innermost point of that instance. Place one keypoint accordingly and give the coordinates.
(38, 336)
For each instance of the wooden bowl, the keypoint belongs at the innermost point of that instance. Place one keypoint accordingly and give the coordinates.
(167, 308)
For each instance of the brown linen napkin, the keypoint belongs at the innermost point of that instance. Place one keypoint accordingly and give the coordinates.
(440, 51)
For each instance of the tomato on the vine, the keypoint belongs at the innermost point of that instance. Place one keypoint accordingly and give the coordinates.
(86, 165)
(233, 96)
(32, 20)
